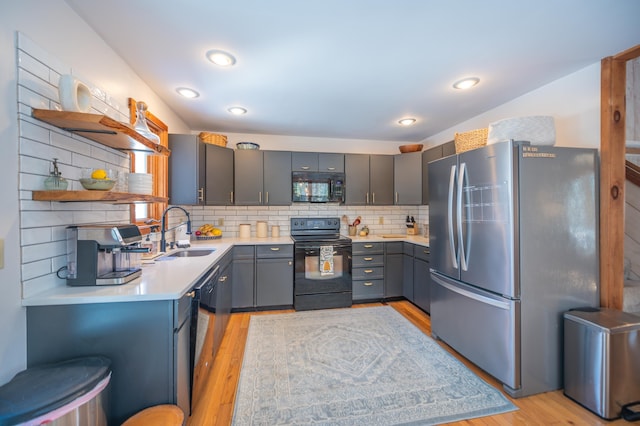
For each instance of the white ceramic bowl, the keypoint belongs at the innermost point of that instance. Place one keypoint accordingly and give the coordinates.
(247, 145)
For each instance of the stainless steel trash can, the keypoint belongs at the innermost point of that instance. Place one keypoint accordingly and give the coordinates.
(68, 393)
(602, 359)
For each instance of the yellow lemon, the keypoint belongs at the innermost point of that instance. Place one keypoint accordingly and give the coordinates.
(99, 174)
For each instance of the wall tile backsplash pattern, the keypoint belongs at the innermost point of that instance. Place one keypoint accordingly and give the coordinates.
(43, 223)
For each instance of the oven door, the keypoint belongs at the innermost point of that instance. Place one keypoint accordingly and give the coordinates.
(322, 275)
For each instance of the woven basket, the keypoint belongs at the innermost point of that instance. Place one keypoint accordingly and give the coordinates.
(213, 138)
(473, 139)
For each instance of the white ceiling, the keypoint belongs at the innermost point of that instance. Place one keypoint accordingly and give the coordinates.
(353, 68)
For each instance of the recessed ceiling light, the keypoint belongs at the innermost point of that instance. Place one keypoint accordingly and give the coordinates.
(407, 121)
(466, 83)
(187, 93)
(221, 58)
(237, 110)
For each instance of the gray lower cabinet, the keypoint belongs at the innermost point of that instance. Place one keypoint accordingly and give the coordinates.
(369, 179)
(262, 178)
(421, 278)
(224, 295)
(199, 173)
(393, 270)
(407, 173)
(274, 275)
(367, 271)
(243, 295)
(407, 271)
(147, 343)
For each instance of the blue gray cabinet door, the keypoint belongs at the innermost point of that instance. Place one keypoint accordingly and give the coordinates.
(274, 282)
(248, 175)
(407, 178)
(242, 291)
(277, 178)
(422, 278)
(393, 270)
(380, 179)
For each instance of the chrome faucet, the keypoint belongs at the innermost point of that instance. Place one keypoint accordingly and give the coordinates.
(163, 240)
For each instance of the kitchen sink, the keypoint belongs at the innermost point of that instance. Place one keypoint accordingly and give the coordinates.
(192, 253)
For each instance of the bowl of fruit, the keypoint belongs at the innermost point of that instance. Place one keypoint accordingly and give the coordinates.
(97, 179)
(208, 232)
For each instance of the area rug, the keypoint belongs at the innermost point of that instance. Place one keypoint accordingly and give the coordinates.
(365, 366)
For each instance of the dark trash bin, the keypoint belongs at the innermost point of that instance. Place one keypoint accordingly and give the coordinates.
(72, 392)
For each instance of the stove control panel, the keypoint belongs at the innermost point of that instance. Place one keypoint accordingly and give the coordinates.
(331, 224)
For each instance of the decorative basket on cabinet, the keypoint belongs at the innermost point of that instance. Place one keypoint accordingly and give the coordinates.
(213, 138)
(473, 139)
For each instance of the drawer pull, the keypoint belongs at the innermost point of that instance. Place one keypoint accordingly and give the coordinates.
(368, 283)
(368, 271)
(275, 248)
(426, 251)
(305, 167)
(368, 246)
(368, 259)
(191, 294)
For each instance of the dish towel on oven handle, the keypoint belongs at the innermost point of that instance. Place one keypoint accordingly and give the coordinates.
(326, 260)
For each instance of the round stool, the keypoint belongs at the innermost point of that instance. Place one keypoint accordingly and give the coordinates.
(160, 415)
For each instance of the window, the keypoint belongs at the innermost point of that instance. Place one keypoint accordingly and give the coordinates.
(157, 165)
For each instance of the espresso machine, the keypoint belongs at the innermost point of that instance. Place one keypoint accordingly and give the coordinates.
(103, 254)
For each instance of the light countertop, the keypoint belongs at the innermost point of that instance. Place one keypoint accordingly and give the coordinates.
(414, 239)
(170, 279)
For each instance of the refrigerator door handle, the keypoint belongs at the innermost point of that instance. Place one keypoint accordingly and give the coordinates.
(463, 257)
(452, 242)
(475, 296)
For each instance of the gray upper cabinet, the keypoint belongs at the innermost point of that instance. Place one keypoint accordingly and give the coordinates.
(432, 154)
(304, 162)
(199, 173)
(380, 179)
(317, 162)
(407, 173)
(262, 178)
(332, 163)
(277, 178)
(369, 179)
(249, 169)
(356, 179)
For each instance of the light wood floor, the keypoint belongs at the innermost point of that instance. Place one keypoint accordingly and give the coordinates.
(216, 382)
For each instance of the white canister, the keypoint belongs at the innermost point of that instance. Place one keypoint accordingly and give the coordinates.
(261, 229)
(245, 230)
(275, 231)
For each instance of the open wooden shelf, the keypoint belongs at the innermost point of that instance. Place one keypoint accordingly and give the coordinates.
(100, 128)
(102, 196)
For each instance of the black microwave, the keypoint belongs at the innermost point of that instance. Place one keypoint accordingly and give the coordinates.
(317, 187)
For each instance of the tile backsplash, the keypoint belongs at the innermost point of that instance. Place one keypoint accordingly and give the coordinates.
(379, 219)
(43, 223)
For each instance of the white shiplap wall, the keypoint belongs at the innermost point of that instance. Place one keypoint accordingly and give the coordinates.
(43, 223)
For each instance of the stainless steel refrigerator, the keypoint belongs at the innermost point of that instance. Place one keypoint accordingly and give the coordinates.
(514, 244)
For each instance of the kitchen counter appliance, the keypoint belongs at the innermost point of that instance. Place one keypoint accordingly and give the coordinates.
(514, 237)
(103, 254)
(322, 274)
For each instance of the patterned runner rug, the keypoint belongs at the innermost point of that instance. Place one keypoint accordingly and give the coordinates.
(366, 366)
